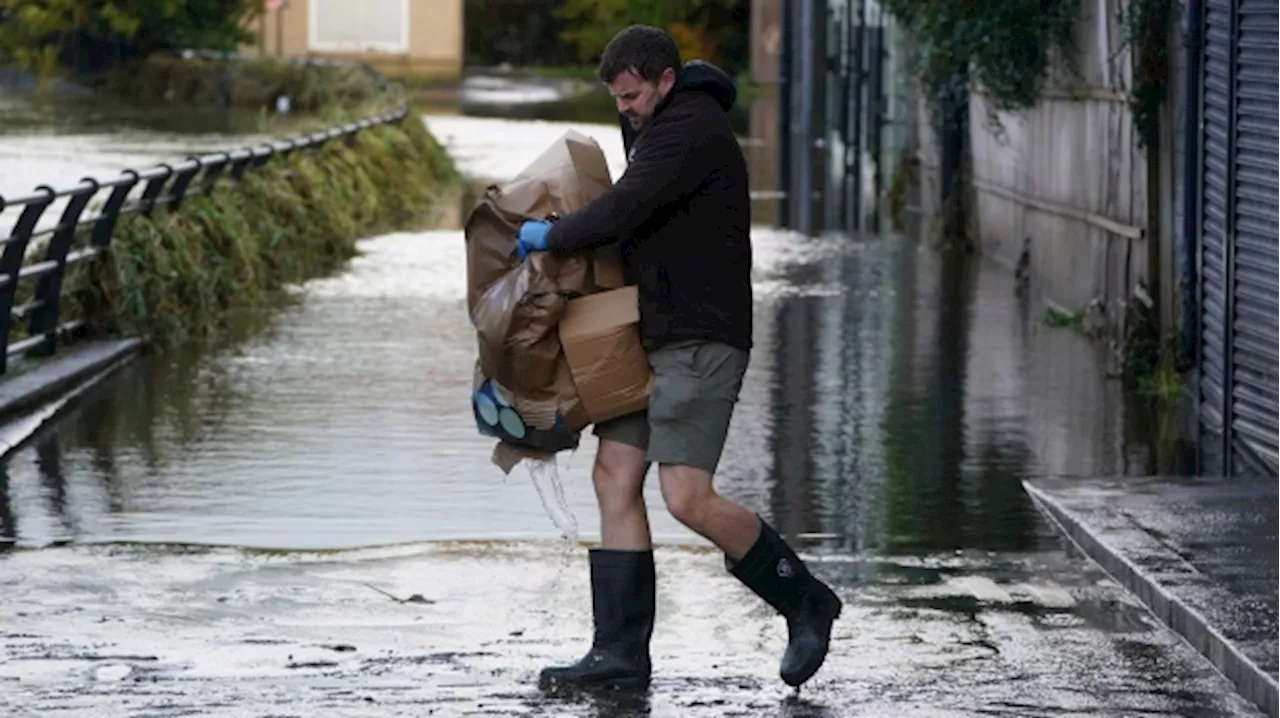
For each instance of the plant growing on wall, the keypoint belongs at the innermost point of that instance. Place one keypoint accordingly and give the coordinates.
(1007, 47)
(1144, 25)
(1010, 49)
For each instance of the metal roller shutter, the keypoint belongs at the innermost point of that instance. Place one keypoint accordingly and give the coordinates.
(1217, 140)
(1254, 331)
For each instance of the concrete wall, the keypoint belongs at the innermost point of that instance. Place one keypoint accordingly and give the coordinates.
(1067, 179)
(435, 38)
(1070, 176)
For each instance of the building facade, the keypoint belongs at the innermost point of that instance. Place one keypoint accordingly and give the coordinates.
(397, 37)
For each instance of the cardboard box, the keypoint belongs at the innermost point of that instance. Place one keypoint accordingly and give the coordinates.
(600, 335)
(559, 364)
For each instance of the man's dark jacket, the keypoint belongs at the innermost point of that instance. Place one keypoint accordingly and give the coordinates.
(682, 214)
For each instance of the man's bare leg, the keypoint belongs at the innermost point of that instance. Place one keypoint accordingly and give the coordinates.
(623, 581)
(618, 477)
(692, 500)
(758, 557)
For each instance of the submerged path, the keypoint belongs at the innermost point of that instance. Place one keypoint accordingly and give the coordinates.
(305, 521)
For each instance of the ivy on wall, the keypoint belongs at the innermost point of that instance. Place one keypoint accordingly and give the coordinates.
(1008, 47)
(1144, 26)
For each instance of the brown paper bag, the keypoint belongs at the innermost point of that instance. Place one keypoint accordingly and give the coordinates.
(517, 306)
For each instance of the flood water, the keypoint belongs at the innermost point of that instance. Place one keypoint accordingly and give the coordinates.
(894, 401)
(893, 405)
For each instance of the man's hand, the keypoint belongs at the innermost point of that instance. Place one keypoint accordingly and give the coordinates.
(532, 238)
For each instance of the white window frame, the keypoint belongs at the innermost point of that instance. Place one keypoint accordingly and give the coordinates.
(314, 44)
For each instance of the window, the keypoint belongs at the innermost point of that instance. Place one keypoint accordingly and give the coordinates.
(358, 27)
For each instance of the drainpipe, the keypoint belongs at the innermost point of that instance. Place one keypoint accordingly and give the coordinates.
(785, 190)
(1191, 128)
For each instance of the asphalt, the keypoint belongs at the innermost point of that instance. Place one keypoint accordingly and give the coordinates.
(462, 628)
(1201, 553)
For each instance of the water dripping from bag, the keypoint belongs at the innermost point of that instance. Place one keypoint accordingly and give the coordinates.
(545, 475)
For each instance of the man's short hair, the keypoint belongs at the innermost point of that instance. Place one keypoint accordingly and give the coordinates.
(643, 49)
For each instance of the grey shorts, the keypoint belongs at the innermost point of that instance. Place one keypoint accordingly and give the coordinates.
(695, 387)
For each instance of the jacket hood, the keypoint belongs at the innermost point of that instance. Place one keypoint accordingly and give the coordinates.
(695, 76)
(702, 75)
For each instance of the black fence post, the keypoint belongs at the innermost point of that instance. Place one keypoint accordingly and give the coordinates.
(184, 173)
(44, 319)
(212, 170)
(164, 185)
(262, 156)
(154, 187)
(104, 229)
(11, 263)
(240, 161)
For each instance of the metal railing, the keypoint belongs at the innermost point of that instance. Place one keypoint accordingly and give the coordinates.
(163, 186)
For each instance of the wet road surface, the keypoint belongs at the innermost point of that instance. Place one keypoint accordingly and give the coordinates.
(116, 631)
(892, 408)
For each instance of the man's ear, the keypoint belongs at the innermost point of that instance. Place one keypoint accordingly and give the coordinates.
(667, 80)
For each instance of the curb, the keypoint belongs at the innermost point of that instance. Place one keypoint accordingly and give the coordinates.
(1250, 681)
(33, 399)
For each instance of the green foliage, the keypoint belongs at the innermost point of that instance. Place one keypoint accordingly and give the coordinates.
(1007, 46)
(180, 274)
(1144, 26)
(569, 32)
(705, 29)
(249, 83)
(1054, 317)
(518, 32)
(203, 24)
(904, 176)
(1148, 359)
(36, 34)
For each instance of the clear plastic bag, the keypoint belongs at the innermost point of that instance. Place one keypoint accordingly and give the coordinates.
(545, 474)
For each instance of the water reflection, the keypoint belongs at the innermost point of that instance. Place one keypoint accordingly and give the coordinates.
(342, 421)
(541, 98)
(63, 114)
(893, 404)
(879, 438)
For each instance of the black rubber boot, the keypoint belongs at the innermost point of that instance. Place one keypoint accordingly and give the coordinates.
(774, 572)
(623, 601)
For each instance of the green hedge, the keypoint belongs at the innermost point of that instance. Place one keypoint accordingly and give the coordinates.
(180, 274)
(250, 84)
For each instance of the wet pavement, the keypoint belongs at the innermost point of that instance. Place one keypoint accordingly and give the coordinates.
(461, 629)
(200, 536)
(1201, 552)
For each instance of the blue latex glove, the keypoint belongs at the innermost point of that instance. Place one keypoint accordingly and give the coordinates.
(532, 238)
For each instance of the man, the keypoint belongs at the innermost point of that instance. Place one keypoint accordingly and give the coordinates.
(681, 214)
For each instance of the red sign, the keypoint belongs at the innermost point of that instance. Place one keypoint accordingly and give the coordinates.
(274, 5)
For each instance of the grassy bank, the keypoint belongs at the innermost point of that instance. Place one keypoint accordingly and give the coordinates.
(252, 83)
(178, 275)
